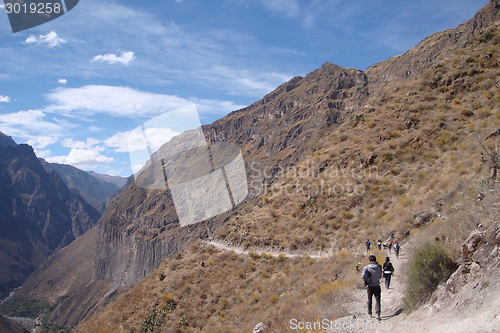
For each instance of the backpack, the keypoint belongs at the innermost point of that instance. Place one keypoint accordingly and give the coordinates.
(388, 268)
(396, 247)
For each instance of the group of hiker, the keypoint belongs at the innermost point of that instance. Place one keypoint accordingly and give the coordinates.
(387, 245)
(373, 272)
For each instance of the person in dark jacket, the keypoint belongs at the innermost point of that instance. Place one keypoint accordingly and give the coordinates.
(388, 269)
(396, 249)
(372, 273)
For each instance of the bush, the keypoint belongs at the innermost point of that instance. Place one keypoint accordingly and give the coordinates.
(430, 266)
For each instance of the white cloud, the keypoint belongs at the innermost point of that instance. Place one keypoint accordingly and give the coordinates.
(62, 81)
(125, 101)
(288, 8)
(4, 99)
(43, 153)
(82, 158)
(51, 39)
(70, 143)
(32, 124)
(125, 58)
(42, 141)
(156, 137)
(83, 155)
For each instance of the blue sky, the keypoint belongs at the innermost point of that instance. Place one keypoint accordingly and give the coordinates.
(75, 87)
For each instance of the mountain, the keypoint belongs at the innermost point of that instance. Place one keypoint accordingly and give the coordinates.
(6, 140)
(39, 215)
(94, 190)
(117, 180)
(332, 159)
(8, 326)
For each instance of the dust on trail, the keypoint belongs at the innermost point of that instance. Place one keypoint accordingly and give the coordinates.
(240, 250)
(391, 304)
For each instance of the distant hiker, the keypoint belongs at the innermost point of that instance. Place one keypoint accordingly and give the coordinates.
(379, 245)
(396, 249)
(388, 271)
(372, 273)
(389, 246)
(368, 246)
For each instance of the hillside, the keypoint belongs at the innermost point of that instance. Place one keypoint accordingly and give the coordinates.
(39, 215)
(117, 180)
(92, 189)
(333, 158)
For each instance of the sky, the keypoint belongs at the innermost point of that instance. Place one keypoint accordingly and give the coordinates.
(76, 87)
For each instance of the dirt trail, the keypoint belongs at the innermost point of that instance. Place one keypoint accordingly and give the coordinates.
(274, 253)
(391, 303)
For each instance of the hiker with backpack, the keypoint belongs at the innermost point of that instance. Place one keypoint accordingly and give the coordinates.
(388, 270)
(396, 249)
(389, 246)
(372, 273)
(368, 246)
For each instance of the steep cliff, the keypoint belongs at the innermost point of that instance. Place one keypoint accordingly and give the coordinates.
(38, 215)
(94, 190)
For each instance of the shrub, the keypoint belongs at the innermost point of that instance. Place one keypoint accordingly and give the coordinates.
(153, 321)
(429, 266)
(274, 299)
(484, 113)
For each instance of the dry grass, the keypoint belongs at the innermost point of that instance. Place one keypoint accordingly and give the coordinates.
(230, 293)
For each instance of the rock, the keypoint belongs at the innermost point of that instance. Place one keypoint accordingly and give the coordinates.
(260, 328)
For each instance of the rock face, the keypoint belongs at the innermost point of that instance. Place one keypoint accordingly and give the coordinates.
(137, 231)
(38, 215)
(94, 190)
(412, 63)
(473, 289)
(6, 140)
(140, 228)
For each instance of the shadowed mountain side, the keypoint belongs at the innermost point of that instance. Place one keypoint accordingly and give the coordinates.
(117, 180)
(38, 215)
(8, 326)
(94, 190)
(65, 280)
(6, 140)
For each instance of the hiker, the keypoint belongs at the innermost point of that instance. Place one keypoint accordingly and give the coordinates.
(396, 249)
(379, 244)
(368, 246)
(389, 246)
(388, 270)
(372, 273)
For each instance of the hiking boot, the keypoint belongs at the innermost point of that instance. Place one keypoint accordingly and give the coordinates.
(378, 316)
(370, 314)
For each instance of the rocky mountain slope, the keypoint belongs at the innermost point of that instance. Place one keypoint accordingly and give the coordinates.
(117, 180)
(8, 326)
(92, 189)
(6, 140)
(420, 134)
(39, 215)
